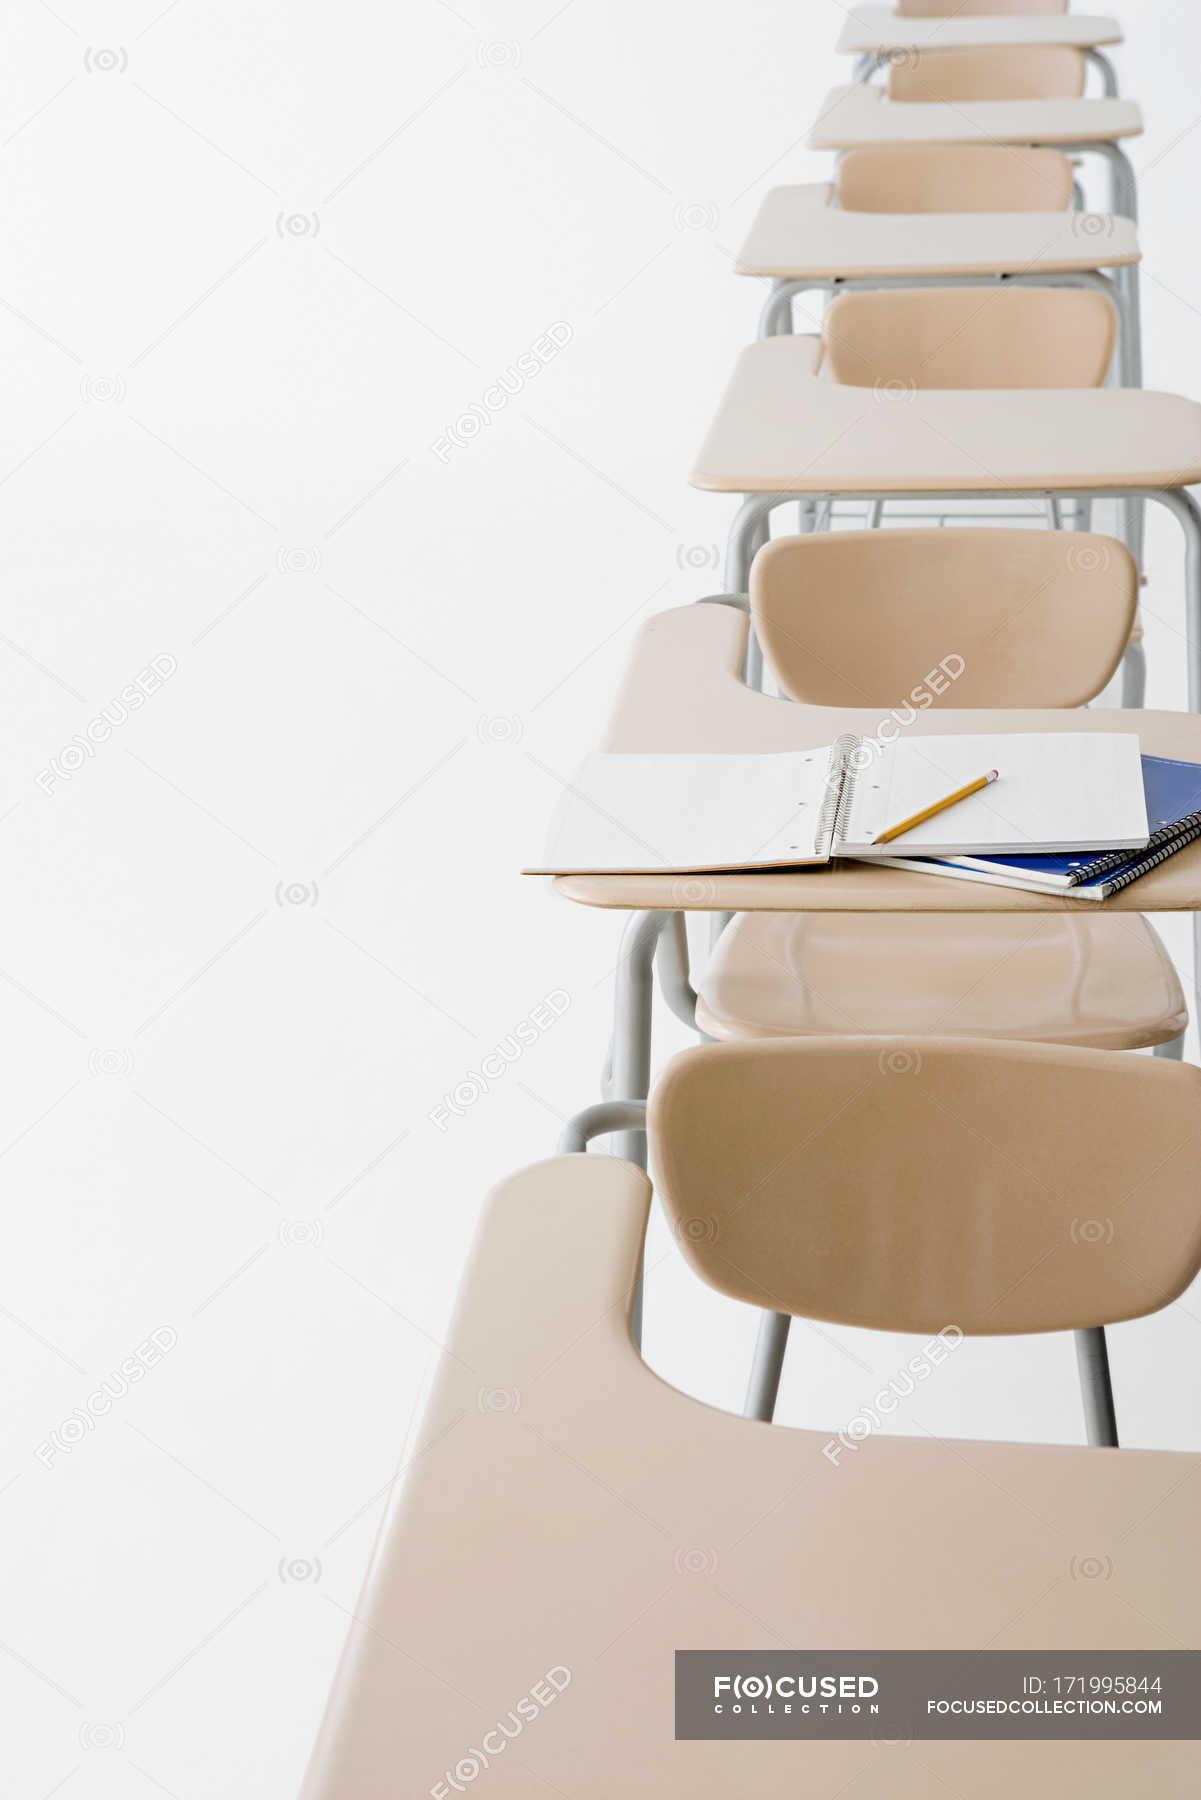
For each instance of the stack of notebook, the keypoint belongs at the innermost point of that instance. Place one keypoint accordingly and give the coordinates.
(1173, 799)
(1076, 812)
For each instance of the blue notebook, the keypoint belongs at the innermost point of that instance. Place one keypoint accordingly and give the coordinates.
(1173, 791)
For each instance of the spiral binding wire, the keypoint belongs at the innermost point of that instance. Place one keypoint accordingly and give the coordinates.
(839, 796)
(1147, 863)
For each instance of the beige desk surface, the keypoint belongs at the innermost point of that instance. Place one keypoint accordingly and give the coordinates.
(862, 114)
(682, 692)
(564, 1509)
(880, 28)
(779, 429)
(798, 232)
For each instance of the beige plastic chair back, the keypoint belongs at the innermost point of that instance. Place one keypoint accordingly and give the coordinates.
(971, 617)
(955, 178)
(961, 9)
(1005, 337)
(993, 1187)
(1015, 72)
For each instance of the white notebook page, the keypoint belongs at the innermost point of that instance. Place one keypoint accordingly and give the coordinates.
(1057, 791)
(628, 814)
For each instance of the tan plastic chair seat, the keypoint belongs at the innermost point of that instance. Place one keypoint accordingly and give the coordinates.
(1007, 338)
(683, 691)
(797, 233)
(880, 28)
(1103, 983)
(862, 114)
(566, 1510)
(1016, 72)
(957, 178)
(897, 1184)
(779, 429)
(1035, 618)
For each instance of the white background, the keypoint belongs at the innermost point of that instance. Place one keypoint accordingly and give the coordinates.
(257, 261)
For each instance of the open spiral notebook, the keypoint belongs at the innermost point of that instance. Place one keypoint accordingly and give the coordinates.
(675, 814)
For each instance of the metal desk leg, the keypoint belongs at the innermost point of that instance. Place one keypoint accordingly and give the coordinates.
(632, 1043)
(753, 666)
(1181, 502)
(746, 534)
(767, 1367)
(1123, 185)
(1096, 59)
(1124, 200)
(1134, 677)
(776, 320)
(1130, 317)
(1092, 1356)
(632, 1021)
(743, 539)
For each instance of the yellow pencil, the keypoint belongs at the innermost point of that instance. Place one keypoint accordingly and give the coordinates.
(929, 812)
